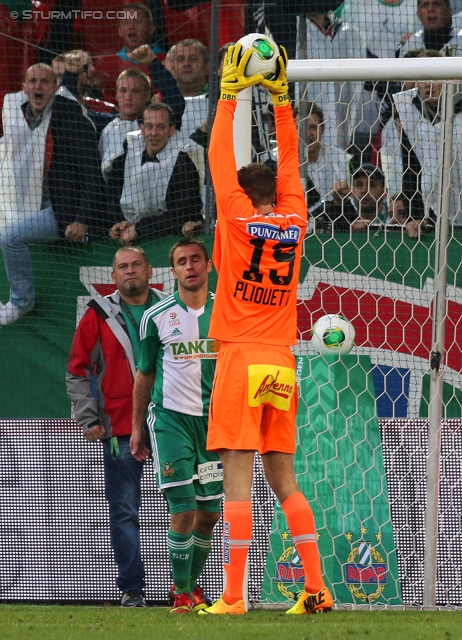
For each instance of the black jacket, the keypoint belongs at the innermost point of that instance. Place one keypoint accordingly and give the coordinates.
(183, 198)
(76, 187)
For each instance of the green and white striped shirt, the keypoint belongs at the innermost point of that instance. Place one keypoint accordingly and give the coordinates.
(174, 343)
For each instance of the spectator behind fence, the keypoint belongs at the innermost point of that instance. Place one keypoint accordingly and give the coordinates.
(78, 83)
(133, 92)
(135, 29)
(326, 165)
(438, 28)
(358, 207)
(100, 385)
(50, 180)
(58, 65)
(411, 150)
(329, 37)
(154, 185)
(384, 23)
(200, 134)
(188, 61)
(402, 216)
(133, 95)
(102, 113)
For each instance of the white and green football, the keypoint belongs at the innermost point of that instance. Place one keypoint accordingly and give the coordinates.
(264, 55)
(333, 334)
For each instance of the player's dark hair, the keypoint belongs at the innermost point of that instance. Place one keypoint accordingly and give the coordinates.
(186, 242)
(139, 250)
(258, 182)
(161, 106)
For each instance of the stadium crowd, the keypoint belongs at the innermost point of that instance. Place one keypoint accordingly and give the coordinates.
(132, 173)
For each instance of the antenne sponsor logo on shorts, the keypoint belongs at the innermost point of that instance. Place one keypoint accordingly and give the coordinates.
(271, 384)
(273, 232)
(268, 385)
(195, 349)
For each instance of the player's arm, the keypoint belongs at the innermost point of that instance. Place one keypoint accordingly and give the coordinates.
(222, 160)
(288, 186)
(80, 365)
(141, 398)
(148, 348)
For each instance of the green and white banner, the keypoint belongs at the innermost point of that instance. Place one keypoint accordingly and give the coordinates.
(383, 285)
(340, 469)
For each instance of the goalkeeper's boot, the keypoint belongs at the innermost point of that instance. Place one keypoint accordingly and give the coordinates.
(221, 608)
(182, 603)
(200, 599)
(312, 603)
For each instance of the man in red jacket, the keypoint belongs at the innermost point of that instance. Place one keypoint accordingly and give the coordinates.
(103, 358)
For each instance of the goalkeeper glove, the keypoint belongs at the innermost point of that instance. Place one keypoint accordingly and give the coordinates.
(279, 87)
(233, 79)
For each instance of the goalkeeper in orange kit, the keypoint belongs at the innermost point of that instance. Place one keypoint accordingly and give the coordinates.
(258, 249)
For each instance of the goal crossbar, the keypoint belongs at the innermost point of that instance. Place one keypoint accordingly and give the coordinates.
(354, 69)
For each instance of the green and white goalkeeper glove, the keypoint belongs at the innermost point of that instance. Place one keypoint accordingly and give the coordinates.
(279, 87)
(233, 79)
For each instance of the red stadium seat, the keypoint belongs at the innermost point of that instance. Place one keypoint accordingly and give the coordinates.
(35, 32)
(100, 37)
(195, 23)
(11, 52)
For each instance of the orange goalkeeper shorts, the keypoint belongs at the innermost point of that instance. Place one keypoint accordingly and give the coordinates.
(254, 399)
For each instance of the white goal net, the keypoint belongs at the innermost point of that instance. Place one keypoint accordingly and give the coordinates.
(379, 428)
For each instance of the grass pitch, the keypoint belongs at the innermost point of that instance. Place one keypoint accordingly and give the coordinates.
(113, 623)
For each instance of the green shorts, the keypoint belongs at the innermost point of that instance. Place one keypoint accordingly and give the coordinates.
(180, 454)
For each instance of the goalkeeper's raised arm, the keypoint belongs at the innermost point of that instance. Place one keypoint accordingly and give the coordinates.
(229, 193)
(289, 189)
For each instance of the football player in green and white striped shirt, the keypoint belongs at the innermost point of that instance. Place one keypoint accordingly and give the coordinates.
(176, 366)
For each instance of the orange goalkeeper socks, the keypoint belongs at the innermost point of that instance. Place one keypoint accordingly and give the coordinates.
(302, 528)
(237, 535)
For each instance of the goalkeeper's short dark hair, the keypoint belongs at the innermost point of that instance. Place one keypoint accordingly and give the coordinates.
(258, 182)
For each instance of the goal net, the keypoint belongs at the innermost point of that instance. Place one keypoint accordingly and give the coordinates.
(365, 428)
(379, 428)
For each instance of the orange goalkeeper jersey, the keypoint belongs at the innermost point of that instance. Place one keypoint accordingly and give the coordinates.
(257, 256)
